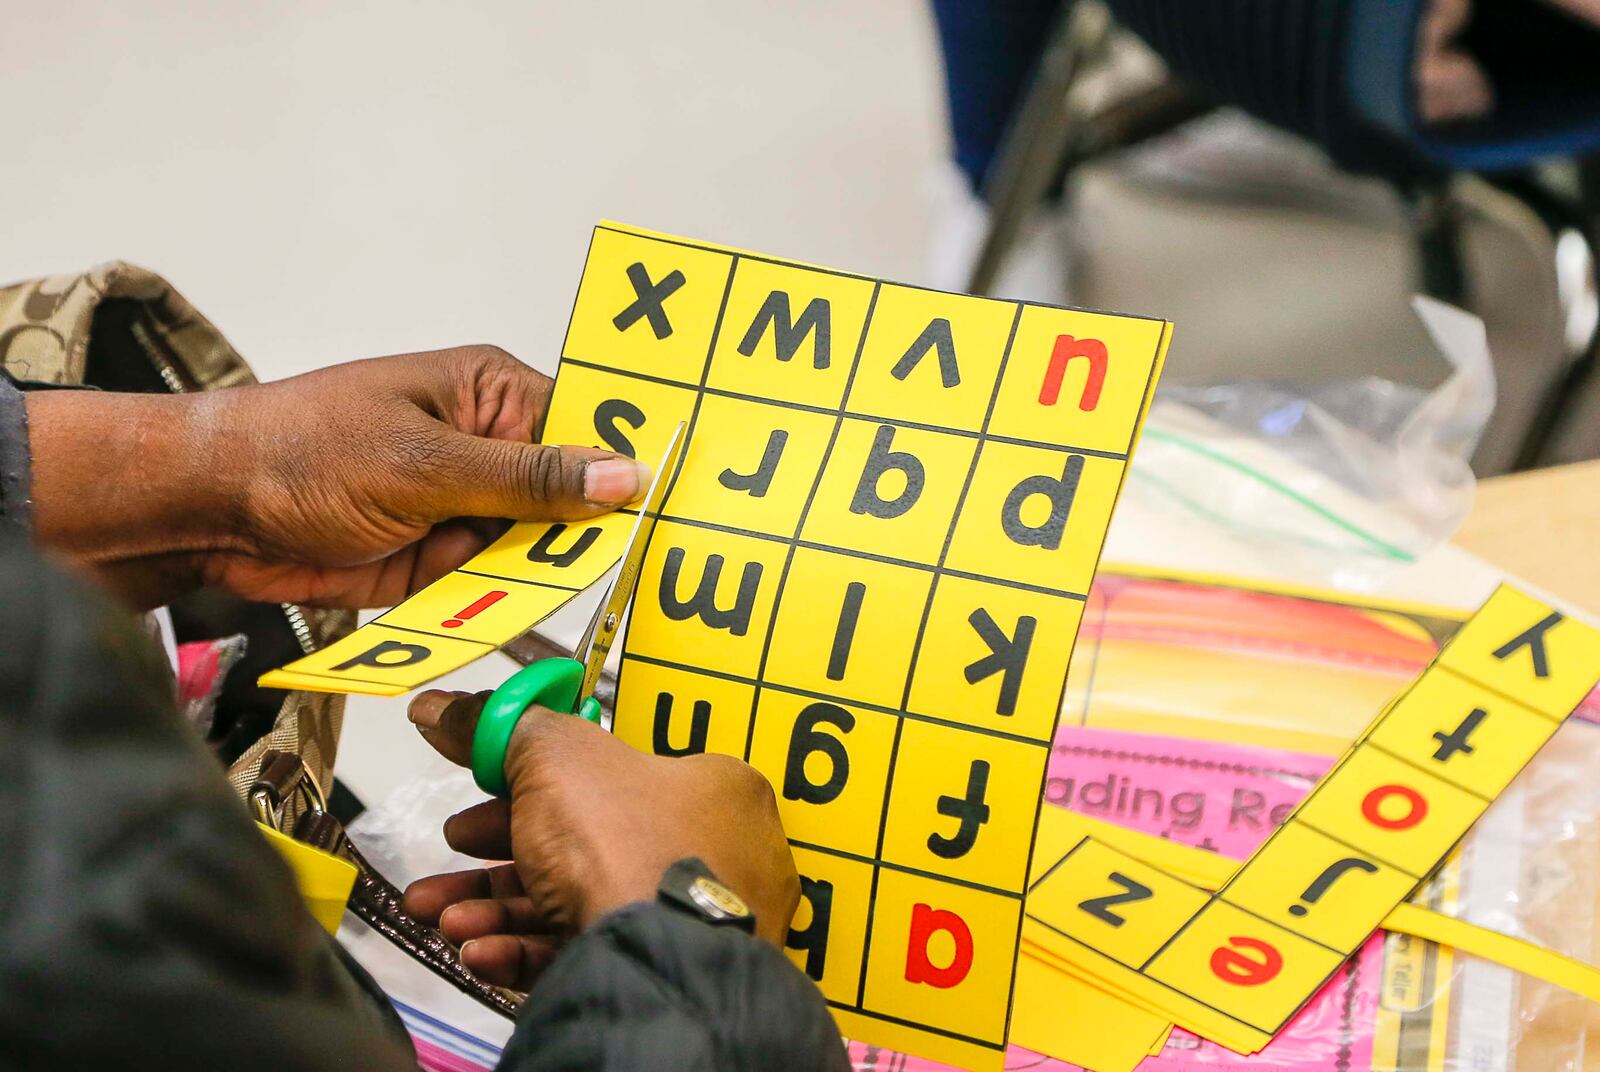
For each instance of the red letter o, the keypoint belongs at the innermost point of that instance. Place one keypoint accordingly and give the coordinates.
(1416, 810)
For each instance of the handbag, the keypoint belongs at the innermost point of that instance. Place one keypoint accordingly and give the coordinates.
(120, 327)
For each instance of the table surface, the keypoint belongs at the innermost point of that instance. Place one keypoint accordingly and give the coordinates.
(1543, 526)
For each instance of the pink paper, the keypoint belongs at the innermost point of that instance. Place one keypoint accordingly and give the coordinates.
(1227, 799)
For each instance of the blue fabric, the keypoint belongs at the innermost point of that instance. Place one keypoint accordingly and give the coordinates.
(1338, 72)
(1281, 60)
(990, 48)
(1544, 66)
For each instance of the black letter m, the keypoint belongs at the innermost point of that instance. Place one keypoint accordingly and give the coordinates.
(786, 335)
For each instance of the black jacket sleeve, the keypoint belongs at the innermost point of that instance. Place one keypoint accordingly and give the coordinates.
(652, 988)
(144, 924)
(15, 505)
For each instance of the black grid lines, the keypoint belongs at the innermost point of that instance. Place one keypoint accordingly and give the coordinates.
(761, 684)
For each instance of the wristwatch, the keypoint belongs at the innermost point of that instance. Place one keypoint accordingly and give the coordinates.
(689, 886)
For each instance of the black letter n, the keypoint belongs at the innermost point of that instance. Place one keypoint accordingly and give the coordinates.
(541, 550)
(699, 724)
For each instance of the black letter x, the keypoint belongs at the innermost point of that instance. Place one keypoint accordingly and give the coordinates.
(648, 302)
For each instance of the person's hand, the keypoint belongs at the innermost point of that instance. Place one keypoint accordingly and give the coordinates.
(591, 827)
(352, 486)
(1451, 84)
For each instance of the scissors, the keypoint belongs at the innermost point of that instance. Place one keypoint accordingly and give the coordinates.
(567, 685)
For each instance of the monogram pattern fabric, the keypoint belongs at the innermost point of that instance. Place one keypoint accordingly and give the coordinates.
(45, 328)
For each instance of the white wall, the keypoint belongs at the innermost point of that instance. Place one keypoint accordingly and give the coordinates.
(333, 180)
(336, 180)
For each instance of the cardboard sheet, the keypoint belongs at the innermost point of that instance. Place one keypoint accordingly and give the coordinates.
(866, 581)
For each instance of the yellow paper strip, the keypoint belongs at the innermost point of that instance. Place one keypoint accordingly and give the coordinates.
(517, 582)
(285, 679)
(1515, 953)
(1245, 959)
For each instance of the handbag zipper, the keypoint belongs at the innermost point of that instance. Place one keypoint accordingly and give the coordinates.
(301, 627)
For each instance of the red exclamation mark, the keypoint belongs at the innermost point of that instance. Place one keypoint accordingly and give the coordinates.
(478, 606)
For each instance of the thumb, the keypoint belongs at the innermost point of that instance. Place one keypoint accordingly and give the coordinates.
(447, 721)
(478, 477)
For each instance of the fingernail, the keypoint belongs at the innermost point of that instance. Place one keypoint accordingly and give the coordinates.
(615, 481)
(425, 710)
(465, 946)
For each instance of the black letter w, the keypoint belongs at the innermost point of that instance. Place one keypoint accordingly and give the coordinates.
(704, 601)
(787, 336)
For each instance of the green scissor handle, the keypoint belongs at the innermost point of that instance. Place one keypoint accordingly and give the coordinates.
(552, 683)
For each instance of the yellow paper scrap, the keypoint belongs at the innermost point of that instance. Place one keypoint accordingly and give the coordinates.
(1032, 950)
(324, 880)
(1076, 1022)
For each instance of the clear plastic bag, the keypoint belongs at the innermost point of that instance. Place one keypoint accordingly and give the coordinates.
(1529, 868)
(1338, 482)
(402, 836)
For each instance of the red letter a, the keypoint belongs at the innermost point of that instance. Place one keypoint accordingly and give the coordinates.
(919, 969)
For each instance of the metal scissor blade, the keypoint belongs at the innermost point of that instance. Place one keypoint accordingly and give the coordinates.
(596, 644)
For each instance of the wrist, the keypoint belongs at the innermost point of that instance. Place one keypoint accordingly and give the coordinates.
(686, 887)
(120, 477)
(691, 888)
